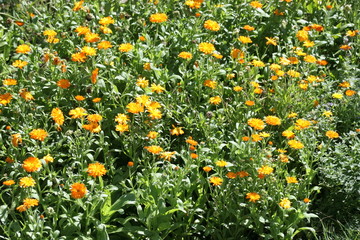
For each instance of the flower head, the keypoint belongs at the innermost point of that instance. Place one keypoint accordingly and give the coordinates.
(332, 134)
(78, 112)
(206, 48)
(78, 190)
(31, 164)
(266, 170)
(96, 169)
(27, 182)
(285, 203)
(158, 18)
(252, 196)
(38, 134)
(126, 47)
(212, 25)
(273, 120)
(256, 123)
(23, 48)
(58, 116)
(216, 181)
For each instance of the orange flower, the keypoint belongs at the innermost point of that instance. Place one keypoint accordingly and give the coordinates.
(92, 37)
(256, 123)
(38, 134)
(252, 196)
(152, 135)
(79, 98)
(154, 149)
(158, 18)
(207, 169)
(104, 45)
(96, 170)
(242, 174)
(212, 25)
(93, 127)
(256, 4)
(167, 155)
(302, 124)
(295, 144)
(31, 164)
(185, 55)
(26, 95)
(9, 82)
(58, 116)
(63, 83)
(78, 6)
(78, 190)
(16, 139)
(194, 155)
(288, 134)
(176, 131)
(206, 48)
(106, 21)
(271, 41)
(245, 39)
(130, 164)
(215, 100)
(332, 134)
(94, 75)
(306, 200)
(210, 83)
(78, 57)
(94, 118)
(266, 170)
(291, 180)
(88, 51)
(9, 182)
(350, 92)
(248, 28)
(135, 108)
(273, 120)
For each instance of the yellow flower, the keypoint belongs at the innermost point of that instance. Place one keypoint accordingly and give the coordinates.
(5, 98)
(126, 47)
(9, 82)
(248, 28)
(302, 35)
(245, 39)
(216, 181)
(237, 88)
(142, 82)
(23, 48)
(88, 51)
(266, 170)
(48, 158)
(237, 53)
(258, 63)
(221, 163)
(285, 203)
(78, 57)
(253, 196)
(16, 139)
(256, 4)
(30, 202)
(212, 25)
(82, 30)
(158, 18)
(104, 45)
(78, 112)
(135, 108)
(337, 95)
(302, 124)
(176, 131)
(92, 37)
(332, 134)
(288, 134)
(38, 134)
(26, 95)
(78, 6)
(210, 83)
(167, 155)
(19, 64)
(27, 182)
(152, 134)
(327, 113)
(291, 180)
(206, 48)
(96, 169)
(310, 59)
(122, 127)
(271, 41)
(31, 164)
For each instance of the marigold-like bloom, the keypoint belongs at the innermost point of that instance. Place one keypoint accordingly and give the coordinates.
(48, 158)
(194, 4)
(63, 83)
(78, 112)
(216, 181)
(9, 82)
(245, 39)
(27, 182)
(273, 120)
(185, 55)
(210, 83)
(8, 182)
(38, 134)
(266, 170)
(212, 25)
(206, 48)
(167, 155)
(285, 203)
(191, 141)
(293, 73)
(21, 208)
(302, 124)
(106, 21)
(152, 134)
(158, 18)
(157, 88)
(306, 200)
(88, 51)
(135, 108)
(96, 169)
(256, 123)
(207, 169)
(237, 53)
(78, 57)
(30, 202)
(78, 190)
(94, 118)
(126, 47)
(310, 59)
(142, 82)
(248, 28)
(215, 100)
(345, 47)
(302, 35)
(58, 116)
(23, 48)
(93, 127)
(31, 164)
(79, 98)
(242, 174)
(194, 155)
(295, 144)
(82, 30)
(122, 118)
(104, 45)
(142, 38)
(147, 66)
(256, 4)
(237, 88)
(78, 6)
(288, 134)
(154, 149)
(221, 163)
(26, 95)
(253, 196)
(92, 37)
(16, 139)
(291, 180)
(5, 98)
(337, 95)
(19, 64)
(332, 134)
(317, 27)
(122, 127)
(258, 63)
(271, 41)
(350, 92)
(176, 131)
